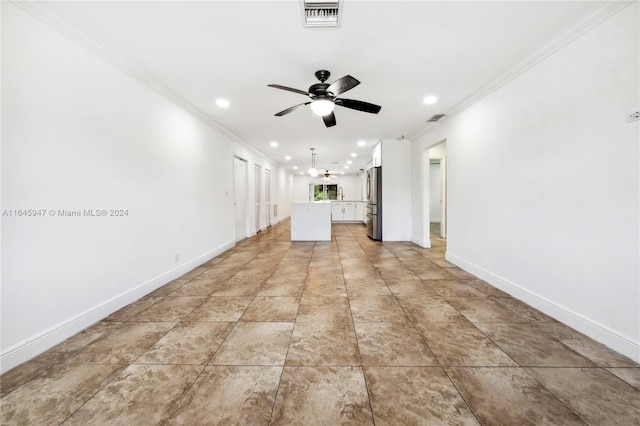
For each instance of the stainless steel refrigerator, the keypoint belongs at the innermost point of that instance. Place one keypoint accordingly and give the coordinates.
(374, 203)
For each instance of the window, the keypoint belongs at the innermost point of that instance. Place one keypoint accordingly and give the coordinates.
(322, 192)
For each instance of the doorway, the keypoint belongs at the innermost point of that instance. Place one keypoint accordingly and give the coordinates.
(258, 171)
(240, 181)
(437, 189)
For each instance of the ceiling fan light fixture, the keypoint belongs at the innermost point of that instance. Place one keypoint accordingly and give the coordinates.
(322, 107)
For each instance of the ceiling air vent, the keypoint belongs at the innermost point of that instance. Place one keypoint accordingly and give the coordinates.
(435, 118)
(319, 13)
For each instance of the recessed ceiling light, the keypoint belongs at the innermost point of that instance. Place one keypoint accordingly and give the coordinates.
(273, 144)
(295, 167)
(346, 167)
(354, 155)
(361, 143)
(222, 103)
(301, 173)
(349, 162)
(287, 157)
(430, 100)
(341, 173)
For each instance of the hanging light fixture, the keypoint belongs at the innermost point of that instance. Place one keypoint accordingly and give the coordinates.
(313, 171)
(327, 176)
(322, 107)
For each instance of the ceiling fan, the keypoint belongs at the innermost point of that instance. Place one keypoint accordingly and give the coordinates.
(327, 176)
(324, 97)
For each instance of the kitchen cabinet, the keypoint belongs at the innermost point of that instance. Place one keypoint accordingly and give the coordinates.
(347, 211)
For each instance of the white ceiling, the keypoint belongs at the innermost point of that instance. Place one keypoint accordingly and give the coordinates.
(401, 51)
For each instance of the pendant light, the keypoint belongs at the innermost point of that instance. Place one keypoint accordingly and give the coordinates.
(312, 171)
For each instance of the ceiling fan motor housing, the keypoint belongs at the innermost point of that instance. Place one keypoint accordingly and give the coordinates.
(319, 91)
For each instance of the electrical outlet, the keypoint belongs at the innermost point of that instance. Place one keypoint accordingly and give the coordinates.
(633, 116)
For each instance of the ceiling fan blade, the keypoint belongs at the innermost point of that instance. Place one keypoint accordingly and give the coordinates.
(290, 89)
(329, 120)
(358, 105)
(343, 84)
(288, 110)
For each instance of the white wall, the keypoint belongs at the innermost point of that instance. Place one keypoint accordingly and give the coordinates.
(78, 133)
(544, 184)
(351, 185)
(396, 190)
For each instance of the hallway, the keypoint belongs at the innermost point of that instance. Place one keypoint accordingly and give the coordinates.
(348, 332)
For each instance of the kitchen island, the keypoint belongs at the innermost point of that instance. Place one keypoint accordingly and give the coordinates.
(311, 222)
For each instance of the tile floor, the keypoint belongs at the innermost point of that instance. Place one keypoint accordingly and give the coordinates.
(347, 332)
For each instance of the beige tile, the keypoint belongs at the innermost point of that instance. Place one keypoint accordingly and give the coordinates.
(453, 288)
(187, 343)
(55, 394)
(278, 309)
(415, 396)
(482, 309)
(220, 308)
(460, 274)
(377, 309)
(63, 351)
(20, 375)
(434, 273)
(197, 287)
(322, 396)
(255, 343)
(509, 396)
(596, 395)
(168, 288)
(324, 309)
(529, 345)
(462, 344)
(124, 345)
(239, 289)
(133, 398)
(392, 345)
(589, 348)
(133, 309)
(409, 288)
(429, 309)
(226, 395)
(169, 309)
(522, 309)
(324, 288)
(629, 375)
(326, 344)
(291, 287)
(486, 288)
(366, 288)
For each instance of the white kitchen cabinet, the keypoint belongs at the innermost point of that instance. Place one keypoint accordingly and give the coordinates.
(347, 211)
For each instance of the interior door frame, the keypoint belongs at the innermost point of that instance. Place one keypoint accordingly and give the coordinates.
(258, 192)
(267, 195)
(246, 197)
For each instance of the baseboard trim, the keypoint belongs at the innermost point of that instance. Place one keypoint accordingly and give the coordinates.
(420, 242)
(584, 325)
(39, 343)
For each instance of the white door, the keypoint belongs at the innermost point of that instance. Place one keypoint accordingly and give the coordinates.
(267, 194)
(240, 192)
(258, 171)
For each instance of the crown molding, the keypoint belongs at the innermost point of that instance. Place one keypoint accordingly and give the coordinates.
(592, 18)
(45, 13)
